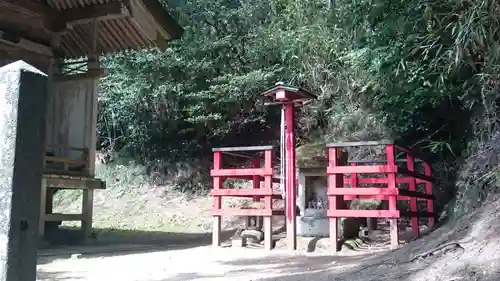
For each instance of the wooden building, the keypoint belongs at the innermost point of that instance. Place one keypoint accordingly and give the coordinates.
(64, 39)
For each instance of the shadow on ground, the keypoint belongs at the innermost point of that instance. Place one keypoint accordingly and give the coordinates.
(478, 261)
(113, 242)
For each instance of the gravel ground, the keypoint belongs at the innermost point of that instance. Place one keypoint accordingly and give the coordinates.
(477, 258)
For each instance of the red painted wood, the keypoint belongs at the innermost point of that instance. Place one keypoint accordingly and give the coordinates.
(354, 178)
(362, 169)
(290, 166)
(244, 212)
(405, 180)
(261, 178)
(217, 181)
(362, 191)
(256, 178)
(241, 172)
(428, 190)
(363, 214)
(380, 197)
(242, 192)
(410, 164)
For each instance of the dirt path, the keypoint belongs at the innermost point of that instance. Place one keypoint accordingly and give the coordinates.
(200, 263)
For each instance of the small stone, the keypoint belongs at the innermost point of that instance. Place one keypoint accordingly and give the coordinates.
(238, 242)
(76, 256)
(253, 235)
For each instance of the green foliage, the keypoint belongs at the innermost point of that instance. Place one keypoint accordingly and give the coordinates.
(419, 70)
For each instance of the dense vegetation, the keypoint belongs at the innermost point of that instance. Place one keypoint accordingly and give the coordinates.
(425, 72)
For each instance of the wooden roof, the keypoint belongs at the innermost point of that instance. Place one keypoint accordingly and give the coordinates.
(68, 25)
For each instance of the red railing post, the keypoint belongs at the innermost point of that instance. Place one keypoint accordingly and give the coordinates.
(217, 202)
(256, 178)
(392, 184)
(332, 200)
(268, 202)
(354, 181)
(336, 157)
(412, 186)
(428, 190)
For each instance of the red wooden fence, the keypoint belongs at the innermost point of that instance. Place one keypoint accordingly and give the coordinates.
(339, 167)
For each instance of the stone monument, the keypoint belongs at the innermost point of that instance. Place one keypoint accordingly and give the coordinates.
(23, 93)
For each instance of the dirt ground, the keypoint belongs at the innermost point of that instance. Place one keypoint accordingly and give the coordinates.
(473, 255)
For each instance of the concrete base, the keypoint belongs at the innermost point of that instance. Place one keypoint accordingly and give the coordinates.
(314, 223)
(238, 242)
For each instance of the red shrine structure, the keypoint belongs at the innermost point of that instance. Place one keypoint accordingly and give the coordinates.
(387, 180)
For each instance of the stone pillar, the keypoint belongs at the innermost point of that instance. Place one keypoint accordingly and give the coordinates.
(22, 133)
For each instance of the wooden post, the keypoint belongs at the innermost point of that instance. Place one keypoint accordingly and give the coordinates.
(412, 185)
(22, 131)
(268, 203)
(391, 177)
(91, 111)
(428, 190)
(291, 187)
(256, 179)
(336, 157)
(43, 200)
(87, 211)
(217, 204)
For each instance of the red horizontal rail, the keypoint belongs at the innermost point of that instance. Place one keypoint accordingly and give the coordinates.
(241, 172)
(418, 214)
(380, 197)
(247, 212)
(362, 191)
(383, 180)
(243, 192)
(275, 178)
(363, 214)
(361, 169)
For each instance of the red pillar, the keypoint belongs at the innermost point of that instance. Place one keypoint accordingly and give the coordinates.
(291, 189)
(392, 184)
(413, 200)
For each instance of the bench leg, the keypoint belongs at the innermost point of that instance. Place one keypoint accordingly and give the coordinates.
(87, 210)
(216, 231)
(43, 202)
(334, 234)
(268, 233)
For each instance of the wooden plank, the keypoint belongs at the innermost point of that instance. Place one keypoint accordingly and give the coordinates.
(380, 197)
(362, 191)
(65, 172)
(72, 183)
(243, 148)
(66, 147)
(416, 194)
(64, 160)
(360, 161)
(246, 212)
(163, 18)
(417, 214)
(91, 74)
(416, 175)
(241, 172)
(243, 192)
(87, 14)
(361, 169)
(385, 180)
(363, 214)
(64, 217)
(359, 143)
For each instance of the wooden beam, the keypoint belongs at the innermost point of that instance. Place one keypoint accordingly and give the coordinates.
(20, 42)
(74, 16)
(58, 21)
(32, 7)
